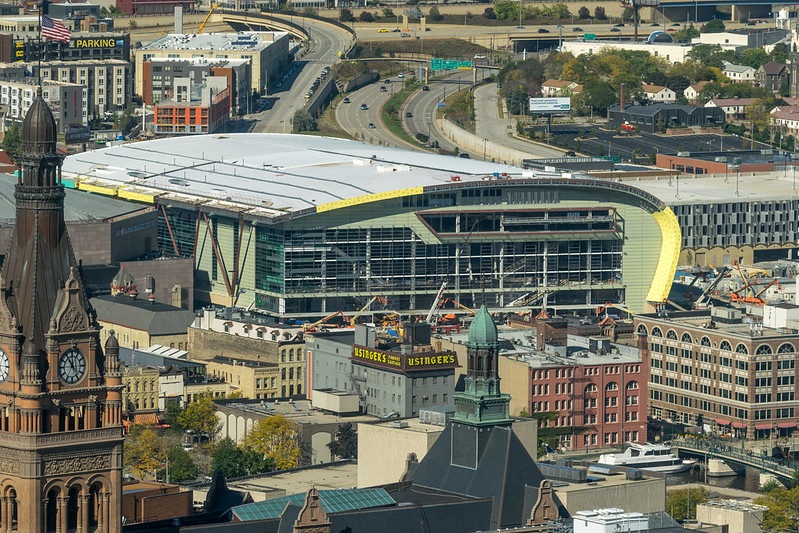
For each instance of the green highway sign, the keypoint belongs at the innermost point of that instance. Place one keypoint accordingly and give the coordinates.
(589, 37)
(438, 63)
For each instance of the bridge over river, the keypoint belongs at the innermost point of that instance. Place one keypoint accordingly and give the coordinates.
(713, 450)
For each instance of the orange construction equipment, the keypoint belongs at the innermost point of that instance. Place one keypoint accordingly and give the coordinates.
(754, 297)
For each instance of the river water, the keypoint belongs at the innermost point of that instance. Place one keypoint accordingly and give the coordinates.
(749, 482)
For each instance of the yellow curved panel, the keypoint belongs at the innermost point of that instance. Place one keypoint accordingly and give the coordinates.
(137, 196)
(369, 198)
(87, 187)
(670, 242)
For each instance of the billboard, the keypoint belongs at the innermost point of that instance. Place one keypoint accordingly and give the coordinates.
(550, 105)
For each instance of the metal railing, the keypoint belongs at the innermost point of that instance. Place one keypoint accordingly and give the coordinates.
(727, 451)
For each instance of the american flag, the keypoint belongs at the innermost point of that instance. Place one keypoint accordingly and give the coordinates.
(54, 30)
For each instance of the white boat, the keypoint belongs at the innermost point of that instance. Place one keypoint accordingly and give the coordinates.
(647, 456)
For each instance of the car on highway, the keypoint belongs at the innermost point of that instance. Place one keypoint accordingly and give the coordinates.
(371, 125)
(618, 25)
(577, 28)
(654, 24)
(396, 30)
(479, 56)
(408, 114)
(569, 153)
(543, 30)
(405, 34)
(400, 75)
(676, 24)
(382, 30)
(383, 89)
(364, 107)
(386, 80)
(464, 155)
(615, 30)
(425, 88)
(346, 100)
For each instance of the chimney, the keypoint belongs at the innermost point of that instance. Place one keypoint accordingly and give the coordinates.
(622, 97)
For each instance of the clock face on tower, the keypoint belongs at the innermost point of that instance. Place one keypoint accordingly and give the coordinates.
(71, 366)
(3, 366)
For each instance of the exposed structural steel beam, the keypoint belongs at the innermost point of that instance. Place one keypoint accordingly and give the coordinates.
(196, 240)
(171, 233)
(236, 256)
(220, 262)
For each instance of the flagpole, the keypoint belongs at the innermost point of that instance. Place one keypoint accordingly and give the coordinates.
(41, 51)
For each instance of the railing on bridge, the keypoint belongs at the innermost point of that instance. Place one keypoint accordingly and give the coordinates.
(727, 451)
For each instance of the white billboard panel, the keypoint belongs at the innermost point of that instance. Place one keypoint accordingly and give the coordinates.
(550, 105)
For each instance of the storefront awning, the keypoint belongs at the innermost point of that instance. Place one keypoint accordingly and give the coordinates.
(786, 425)
(722, 422)
(762, 427)
(738, 425)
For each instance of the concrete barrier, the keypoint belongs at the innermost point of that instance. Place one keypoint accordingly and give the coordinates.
(479, 147)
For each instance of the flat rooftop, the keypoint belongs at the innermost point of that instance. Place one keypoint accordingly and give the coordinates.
(298, 411)
(340, 476)
(214, 41)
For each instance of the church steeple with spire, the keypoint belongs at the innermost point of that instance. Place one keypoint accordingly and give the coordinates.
(60, 395)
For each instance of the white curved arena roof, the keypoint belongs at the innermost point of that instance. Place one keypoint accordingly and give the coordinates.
(270, 173)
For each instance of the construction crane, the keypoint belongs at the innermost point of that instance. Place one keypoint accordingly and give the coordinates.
(721, 273)
(208, 16)
(755, 297)
(436, 303)
(312, 327)
(603, 308)
(380, 299)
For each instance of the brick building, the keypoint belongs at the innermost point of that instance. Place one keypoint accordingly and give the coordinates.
(194, 108)
(723, 371)
(153, 7)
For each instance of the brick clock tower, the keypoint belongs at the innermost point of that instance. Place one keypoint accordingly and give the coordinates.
(60, 392)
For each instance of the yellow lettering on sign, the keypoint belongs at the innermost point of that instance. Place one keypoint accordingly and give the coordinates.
(94, 43)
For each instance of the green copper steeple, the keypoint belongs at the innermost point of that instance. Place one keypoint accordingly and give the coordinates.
(482, 403)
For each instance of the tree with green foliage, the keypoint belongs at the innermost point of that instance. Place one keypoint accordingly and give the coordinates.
(345, 15)
(707, 54)
(366, 16)
(713, 26)
(181, 466)
(144, 452)
(434, 14)
(685, 34)
(200, 417)
(627, 14)
(345, 442)
(681, 504)
(754, 57)
(228, 458)
(506, 9)
(172, 412)
(310, 11)
(12, 142)
(583, 13)
(388, 13)
(779, 53)
(599, 13)
(489, 13)
(304, 121)
(782, 509)
(275, 439)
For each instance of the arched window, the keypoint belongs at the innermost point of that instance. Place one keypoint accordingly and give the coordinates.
(283, 355)
(656, 332)
(686, 337)
(642, 330)
(632, 385)
(612, 386)
(725, 345)
(591, 387)
(671, 335)
(705, 341)
(763, 349)
(291, 355)
(741, 348)
(786, 348)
